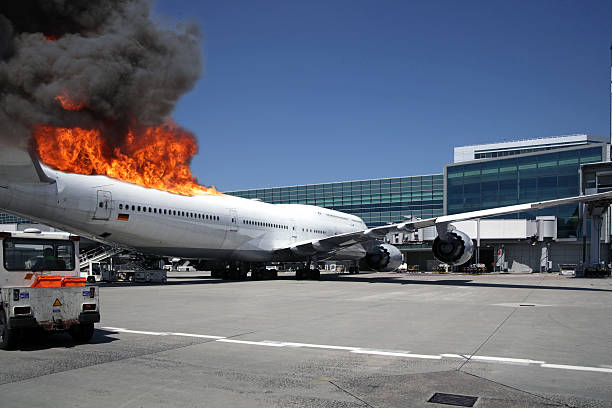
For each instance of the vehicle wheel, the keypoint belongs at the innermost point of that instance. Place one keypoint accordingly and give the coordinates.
(255, 274)
(299, 274)
(314, 274)
(271, 274)
(81, 333)
(8, 337)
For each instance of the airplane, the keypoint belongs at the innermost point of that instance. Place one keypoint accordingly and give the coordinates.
(232, 234)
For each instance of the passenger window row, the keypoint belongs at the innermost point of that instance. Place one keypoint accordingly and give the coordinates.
(316, 231)
(165, 211)
(264, 224)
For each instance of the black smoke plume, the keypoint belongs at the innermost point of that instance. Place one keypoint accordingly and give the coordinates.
(108, 57)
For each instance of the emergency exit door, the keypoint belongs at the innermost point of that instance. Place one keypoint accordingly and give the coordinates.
(103, 205)
(293, 230)
(233, 226)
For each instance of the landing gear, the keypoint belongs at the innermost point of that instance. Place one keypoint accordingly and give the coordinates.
(230, 272)
(216, 273)
(307, 273)
(313, 274)
(264, 274)
(234, 273)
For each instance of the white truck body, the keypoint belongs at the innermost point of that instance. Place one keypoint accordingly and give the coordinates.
(26, 256)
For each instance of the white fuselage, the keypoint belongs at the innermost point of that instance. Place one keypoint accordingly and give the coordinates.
(205, 226)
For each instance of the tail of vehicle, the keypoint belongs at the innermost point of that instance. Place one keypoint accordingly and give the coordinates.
(40, 287)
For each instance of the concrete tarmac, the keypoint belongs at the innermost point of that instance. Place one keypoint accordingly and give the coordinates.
(372, 340)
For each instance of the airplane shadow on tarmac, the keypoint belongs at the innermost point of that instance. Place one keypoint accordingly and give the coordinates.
(455, 282)
(196, 280)
(402, 280)
(33, 340)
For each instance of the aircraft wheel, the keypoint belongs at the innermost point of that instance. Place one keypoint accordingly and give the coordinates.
(234, 274)
(8, 336)
(81, 333)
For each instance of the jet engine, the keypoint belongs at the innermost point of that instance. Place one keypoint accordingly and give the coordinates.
(455, 248)
(383, 258)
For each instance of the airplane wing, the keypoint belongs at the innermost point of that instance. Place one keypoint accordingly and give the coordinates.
(337, 242)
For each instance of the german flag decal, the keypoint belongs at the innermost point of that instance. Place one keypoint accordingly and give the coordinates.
(123, 217)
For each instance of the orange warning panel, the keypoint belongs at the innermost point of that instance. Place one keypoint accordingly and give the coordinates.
(47, 281)
(73, 281)
(57, 303)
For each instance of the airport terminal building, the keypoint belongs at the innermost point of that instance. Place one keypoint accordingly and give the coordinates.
(481, 177)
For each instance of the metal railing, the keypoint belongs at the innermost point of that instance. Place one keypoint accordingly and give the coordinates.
(98, 254)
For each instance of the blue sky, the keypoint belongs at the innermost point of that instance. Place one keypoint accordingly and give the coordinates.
(299, 92)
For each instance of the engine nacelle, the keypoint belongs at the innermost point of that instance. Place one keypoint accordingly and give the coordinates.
(455, 249)
(383, 258)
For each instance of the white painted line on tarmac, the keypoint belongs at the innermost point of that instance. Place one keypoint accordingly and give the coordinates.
(397, 354)
(252, 343)
(202, 336)
(150, 333)
(525, 305)
(507, 360)
(388, 353)
(577, 368)
(319, 346)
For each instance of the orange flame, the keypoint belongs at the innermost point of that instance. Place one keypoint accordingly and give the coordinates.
(51, 37)
(68, 103)
(156, 157)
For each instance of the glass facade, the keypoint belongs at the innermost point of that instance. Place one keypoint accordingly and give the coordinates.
(377, 202)
(523, 150)
(522, 179)
(11, 219)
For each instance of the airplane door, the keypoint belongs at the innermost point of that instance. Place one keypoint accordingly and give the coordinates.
(103, 205)
(233, 226)
(293, 230)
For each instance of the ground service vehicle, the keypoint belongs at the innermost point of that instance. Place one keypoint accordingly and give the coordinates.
(40, 287)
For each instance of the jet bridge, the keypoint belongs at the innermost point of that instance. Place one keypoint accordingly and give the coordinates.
(596, 178)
